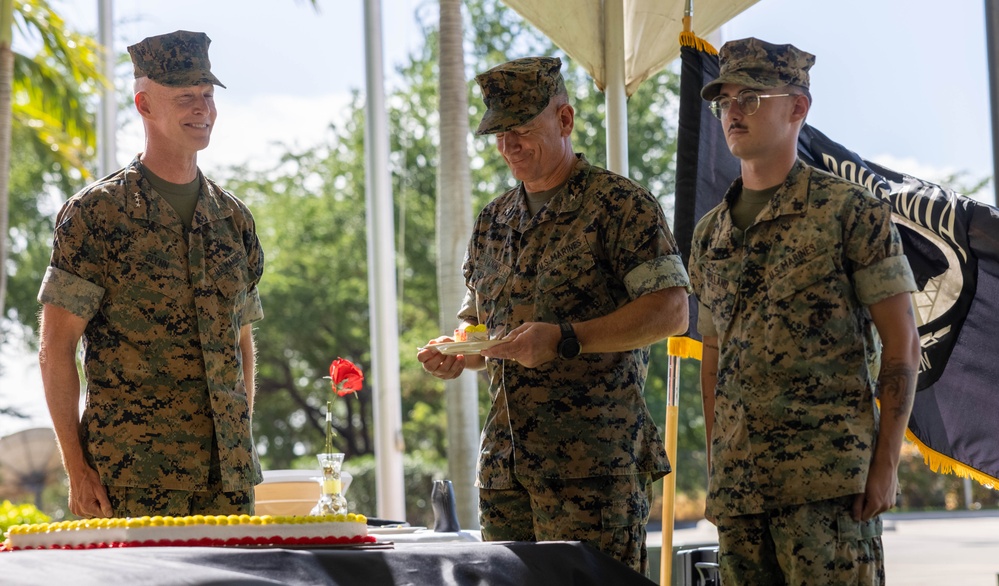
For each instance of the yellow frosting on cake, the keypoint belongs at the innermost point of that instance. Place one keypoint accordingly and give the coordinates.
(474, 333)
(189, 521)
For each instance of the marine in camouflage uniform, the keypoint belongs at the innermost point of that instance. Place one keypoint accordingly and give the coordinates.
(165, 302)
(786, 298)
(569, 448)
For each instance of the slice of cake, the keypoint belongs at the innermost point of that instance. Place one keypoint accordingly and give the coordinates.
(476, 333)
(196, 530)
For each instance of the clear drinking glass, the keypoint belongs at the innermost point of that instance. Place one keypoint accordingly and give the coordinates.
(331, 500)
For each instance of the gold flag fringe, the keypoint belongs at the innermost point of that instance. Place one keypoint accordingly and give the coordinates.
(942, 464)
(689, 39)
(685, 347)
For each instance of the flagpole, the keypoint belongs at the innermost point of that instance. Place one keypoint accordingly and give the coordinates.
(676, 348)
(669, 481)
(992, 48)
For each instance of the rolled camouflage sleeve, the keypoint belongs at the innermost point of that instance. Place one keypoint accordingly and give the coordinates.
(77, 296)
(253, 310)
(467, 313)
(644, 251)
(874, 244)
(705, 325)
(74, 276)
(657, 274)
(884, 279)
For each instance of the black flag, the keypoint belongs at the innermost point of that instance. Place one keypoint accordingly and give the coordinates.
(702, 176)
(952, 244)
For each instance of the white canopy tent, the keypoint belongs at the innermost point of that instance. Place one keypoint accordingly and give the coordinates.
(650, 31)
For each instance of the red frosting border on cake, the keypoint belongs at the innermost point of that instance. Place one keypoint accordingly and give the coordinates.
(275, 541)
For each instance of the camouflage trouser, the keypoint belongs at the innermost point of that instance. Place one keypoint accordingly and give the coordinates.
(130, 501)
(815, 543)
(608, 512)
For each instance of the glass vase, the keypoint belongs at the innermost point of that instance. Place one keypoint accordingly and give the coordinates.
(331, 500)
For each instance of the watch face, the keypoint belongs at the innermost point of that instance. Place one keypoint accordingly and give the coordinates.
(568, 348)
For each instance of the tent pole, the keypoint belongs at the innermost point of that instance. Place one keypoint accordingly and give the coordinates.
(614, 92)
(992, 48)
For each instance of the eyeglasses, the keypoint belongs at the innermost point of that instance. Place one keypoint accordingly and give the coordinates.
(748, 100)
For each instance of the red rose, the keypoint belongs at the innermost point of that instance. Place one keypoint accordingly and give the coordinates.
(347, 378)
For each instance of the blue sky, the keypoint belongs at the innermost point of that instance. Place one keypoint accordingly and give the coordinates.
(901, 83)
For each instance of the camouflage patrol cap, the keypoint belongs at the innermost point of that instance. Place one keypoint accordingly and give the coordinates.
(517, 91)
(760, 65)
(177, 59)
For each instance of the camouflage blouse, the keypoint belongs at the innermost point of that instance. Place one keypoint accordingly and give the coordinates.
(795, 419)
(601, 242)
(161, 346)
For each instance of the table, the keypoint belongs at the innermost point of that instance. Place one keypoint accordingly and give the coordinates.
(417, 564)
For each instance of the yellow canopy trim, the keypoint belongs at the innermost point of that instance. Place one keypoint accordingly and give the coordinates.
(688, 39)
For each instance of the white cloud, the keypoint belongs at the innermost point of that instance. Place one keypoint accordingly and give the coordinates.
(936, 174)
(911, 166)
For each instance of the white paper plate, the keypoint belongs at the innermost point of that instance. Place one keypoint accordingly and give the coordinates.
(393, 530)
(452, 348)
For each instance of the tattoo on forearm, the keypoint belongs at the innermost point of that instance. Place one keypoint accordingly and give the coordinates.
(897, 384)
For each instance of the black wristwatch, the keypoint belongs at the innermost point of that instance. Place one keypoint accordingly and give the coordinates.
(568, 346)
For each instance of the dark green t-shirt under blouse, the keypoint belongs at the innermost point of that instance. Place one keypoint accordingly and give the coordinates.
(749, 205)
(182, 197)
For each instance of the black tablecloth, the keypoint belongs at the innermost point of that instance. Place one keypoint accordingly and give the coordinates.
(501, 564)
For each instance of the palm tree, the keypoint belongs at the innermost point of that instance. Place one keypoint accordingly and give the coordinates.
(47, 93)
(454, 225)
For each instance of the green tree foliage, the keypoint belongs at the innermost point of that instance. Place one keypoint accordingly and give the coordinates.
(37, 188)
(310, 218)
(46, 94)
(52, 145)
(419, 477)
(52, 86)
